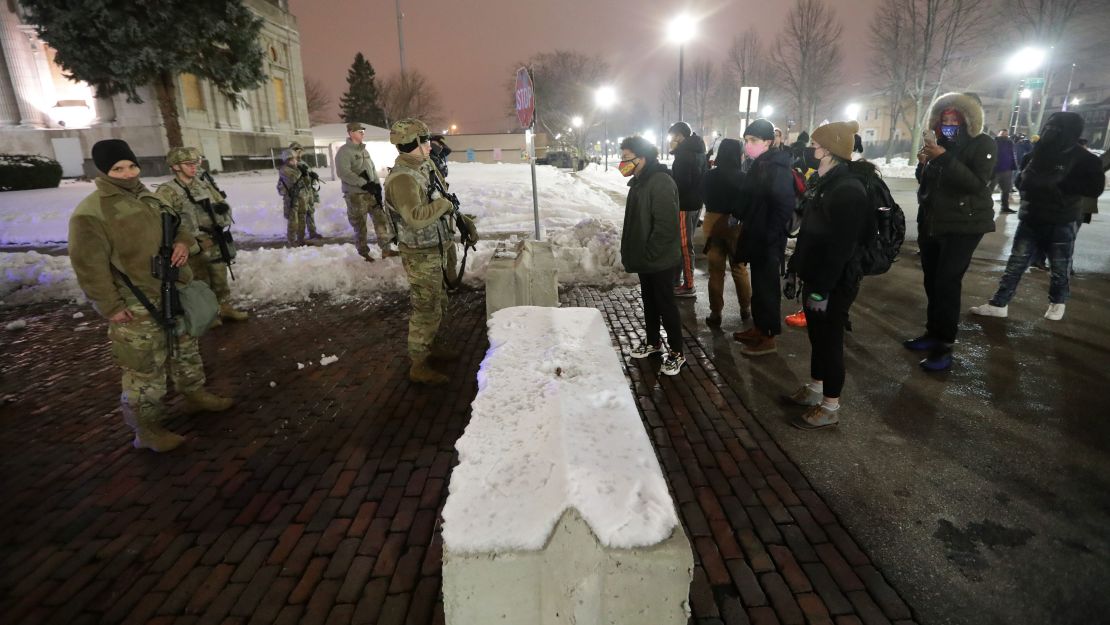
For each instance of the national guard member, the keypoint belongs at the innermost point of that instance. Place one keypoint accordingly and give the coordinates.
(294, 188)
(113, 234)
(425, 227)
(207, 217)
(362, 190)
(314, 185)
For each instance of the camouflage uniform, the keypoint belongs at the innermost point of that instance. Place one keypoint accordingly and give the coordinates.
(351, 161)
(294, 187)
(121, 228)
(314, 186)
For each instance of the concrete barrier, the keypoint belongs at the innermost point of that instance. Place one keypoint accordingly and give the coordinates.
(558, 512)
(521, 275)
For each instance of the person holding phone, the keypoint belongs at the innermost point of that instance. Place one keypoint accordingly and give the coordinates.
(955, 210)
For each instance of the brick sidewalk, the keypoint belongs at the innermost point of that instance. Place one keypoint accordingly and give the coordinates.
(316, 500)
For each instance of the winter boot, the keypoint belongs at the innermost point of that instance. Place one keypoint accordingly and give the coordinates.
(387, 252)
(231, 314)
(203, 401)
(148, 434)
(751, 335)
(443, 353)
(422, 373)
(765, 345)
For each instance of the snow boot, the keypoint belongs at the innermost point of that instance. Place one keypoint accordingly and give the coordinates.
(443, 353)
(422, 373)
(203, 401)
(227, 311)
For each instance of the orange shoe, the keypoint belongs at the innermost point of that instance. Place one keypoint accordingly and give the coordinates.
(797, 320)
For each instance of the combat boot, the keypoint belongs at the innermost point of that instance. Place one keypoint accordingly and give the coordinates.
(203, 401)
(442, 353)
(230, 313)
(422, 373)
(148, 434)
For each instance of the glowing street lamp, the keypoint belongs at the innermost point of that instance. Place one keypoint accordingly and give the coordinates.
(576, 121)
(768, 111)
(681, 30)
(1023, 63)
(852, 111)
(1026, 94)
(454, 128)
(605, 98)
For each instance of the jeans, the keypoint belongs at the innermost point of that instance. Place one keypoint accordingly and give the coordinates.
(657, 293)
(826, 338)
(1058, 243)
(944, 261)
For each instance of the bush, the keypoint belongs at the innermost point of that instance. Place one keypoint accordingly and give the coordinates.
(28, 171)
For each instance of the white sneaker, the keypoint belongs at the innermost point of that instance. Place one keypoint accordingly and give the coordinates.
(987, 310)
(672, 363)
(645, 349)
(1055, 312)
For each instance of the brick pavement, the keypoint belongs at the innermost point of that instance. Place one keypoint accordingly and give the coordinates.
(317, 499)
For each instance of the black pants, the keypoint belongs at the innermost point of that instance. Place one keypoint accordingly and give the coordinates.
(944, 261)
(826, 338)
(766, 273)
(657, 291)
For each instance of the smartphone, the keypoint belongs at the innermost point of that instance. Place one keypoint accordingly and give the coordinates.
(930, 136)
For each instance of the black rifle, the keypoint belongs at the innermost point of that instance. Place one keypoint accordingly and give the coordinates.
(222, 236)
(207, 177)
(161, 267)
(375, 187)
(437, 186)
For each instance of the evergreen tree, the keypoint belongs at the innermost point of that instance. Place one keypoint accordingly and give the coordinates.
(120, 47)
(362, 102)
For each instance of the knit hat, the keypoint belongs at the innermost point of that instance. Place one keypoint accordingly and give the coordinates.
(108, 152)
(761, 129)
(838, 138)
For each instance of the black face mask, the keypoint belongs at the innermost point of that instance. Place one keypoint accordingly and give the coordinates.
(809, 157)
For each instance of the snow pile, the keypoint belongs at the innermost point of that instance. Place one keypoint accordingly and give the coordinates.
(18, 324)
(554, 426)
(896, 167)
(272, 275)
(30, 278)
(611, 180)
(327, 360)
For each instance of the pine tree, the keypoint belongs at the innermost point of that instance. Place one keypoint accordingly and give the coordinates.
(362, 102)
(120, 47)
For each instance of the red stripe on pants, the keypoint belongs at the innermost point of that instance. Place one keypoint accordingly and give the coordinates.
(687, 256)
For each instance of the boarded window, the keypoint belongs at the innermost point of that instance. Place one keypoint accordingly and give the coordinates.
(279, 100)
(190, 89)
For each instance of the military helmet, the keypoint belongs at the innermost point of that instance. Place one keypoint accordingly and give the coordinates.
(287, 154)
(295, 146)
(408, 130)
(177, 156)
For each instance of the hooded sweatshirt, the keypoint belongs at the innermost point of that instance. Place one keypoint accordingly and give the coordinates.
(688, 170)
(1061, 176)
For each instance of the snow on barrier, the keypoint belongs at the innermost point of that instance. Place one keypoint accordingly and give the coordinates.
(558, 511)
(524, 276)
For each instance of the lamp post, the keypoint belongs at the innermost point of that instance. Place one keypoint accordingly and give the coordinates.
(605, 98)
(681, 30)
(1022, 63)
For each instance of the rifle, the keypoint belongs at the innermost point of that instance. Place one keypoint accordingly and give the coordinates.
(220, 235)
(437, 186)
(207, 177)
(375, 187)
(161, 267)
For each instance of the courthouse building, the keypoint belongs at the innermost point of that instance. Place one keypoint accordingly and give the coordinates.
(42, 112)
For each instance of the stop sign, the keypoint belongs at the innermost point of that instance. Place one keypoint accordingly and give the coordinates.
(525, 100)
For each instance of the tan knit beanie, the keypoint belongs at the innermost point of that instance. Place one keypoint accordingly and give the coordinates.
(838, 138)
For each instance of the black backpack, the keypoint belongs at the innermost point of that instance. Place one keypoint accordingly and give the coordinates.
(881, 249)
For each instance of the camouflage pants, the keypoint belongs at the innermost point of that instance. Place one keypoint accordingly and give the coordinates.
(424, 268)
(139, 348)
(310, 217)
(214, 274)
(359, 205)
(295, 211)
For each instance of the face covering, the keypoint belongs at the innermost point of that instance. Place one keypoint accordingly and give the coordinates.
(809, 156)
(129, 184)
(950, 131)
(755, 150)
(627, 167)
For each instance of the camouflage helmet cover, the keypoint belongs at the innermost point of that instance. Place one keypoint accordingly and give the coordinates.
(176, 156)
(295, 146)
(407, 130)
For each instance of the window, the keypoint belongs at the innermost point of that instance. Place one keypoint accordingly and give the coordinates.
(190, 89)
(273, 54)
(279, 100)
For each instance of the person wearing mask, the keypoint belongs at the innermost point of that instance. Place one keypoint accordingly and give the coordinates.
(722, 190)
(955, 210)
(688, 170)
(764, 208)
(1004, 168)
(1059, 181)
(837, 220)
(113, 235)
(650, 248)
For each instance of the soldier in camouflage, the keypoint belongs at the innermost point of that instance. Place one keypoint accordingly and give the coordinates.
(205, 215)
(425, 229)
(314, 185)
(295, 189)
(114, 232)
(362, 191)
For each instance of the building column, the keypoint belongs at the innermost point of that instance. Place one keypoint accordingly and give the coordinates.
(9, 109)
(16, 43)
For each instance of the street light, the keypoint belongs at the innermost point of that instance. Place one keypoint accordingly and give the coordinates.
(680, 31)
(1023, 63)
(1026, 94)
(768, 111)
(576, 121)
(852, 111)
(605, 97)
(454, 127)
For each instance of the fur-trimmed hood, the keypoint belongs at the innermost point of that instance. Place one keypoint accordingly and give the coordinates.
(966, 104)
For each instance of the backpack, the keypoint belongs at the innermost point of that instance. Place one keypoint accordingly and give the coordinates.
(799, 195)
(880, 251)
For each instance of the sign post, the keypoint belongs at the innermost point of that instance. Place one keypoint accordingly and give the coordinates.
(749, 103)
(526, 115)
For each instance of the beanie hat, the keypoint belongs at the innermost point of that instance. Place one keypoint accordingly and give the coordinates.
(108, 152)
(761, 129)
(838, 138)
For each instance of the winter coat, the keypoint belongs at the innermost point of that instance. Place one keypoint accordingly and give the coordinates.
(1064, 190)
(688, 170)
(351, 161)
(723, 182)
(1007, 158)
(120, 228)
(953, 195)
(765, 206)
(836, 221)
(1021, 150)
(650, 240)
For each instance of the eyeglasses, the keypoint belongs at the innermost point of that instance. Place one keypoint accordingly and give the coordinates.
(425, 138)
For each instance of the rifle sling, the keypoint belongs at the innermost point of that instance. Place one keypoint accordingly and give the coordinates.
(139, 295)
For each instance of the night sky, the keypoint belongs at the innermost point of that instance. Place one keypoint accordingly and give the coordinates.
(470, 48)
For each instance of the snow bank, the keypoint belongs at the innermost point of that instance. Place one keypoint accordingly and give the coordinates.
(611, 180)
(554, 426)
(896, 167)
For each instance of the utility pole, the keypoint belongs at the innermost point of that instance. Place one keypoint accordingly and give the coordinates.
(400, 35)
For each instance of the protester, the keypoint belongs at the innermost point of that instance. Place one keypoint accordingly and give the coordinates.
(722, 191)
(688, 170)
(955, 211)
(1004, 168)
(1061, 178)
(650, 248)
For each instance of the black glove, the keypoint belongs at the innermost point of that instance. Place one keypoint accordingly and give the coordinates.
(368, 187)
(313, 175)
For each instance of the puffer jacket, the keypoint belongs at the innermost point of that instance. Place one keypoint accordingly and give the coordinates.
(688, 171)
(650, 240)
(765, 206)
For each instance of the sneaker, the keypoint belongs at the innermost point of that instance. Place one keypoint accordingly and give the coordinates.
(940, 359)
(797, 320)
(923, 343)
(685, 291)
(1055, 312)
(765, 345)
(750, 335)
(672, 363)
(645, 349)
(990, 310)
(1007, 210)
(804, 396)
(817, 417)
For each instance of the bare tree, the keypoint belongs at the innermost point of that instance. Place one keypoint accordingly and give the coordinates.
(889, 65)
(565, 84)
(319, 104)
(704, 79)
(807, 53)
(410, 95)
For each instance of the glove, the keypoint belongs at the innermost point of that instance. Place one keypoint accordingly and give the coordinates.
(470, 236)
(368, 187)
(816, 306)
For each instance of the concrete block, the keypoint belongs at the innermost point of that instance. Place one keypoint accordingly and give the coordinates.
(522, 275)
